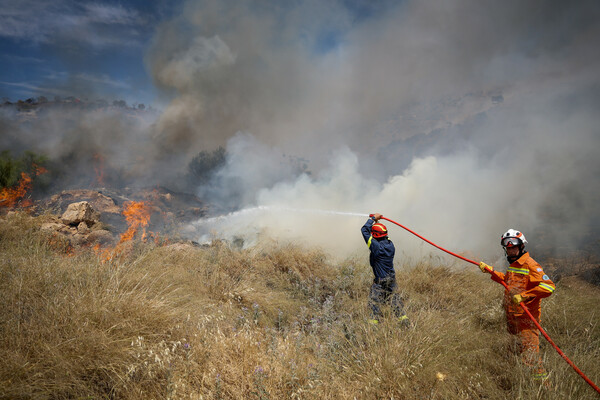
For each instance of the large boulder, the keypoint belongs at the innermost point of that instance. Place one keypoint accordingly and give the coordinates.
(80, 212)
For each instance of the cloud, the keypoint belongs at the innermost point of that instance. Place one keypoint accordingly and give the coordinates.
(70, 21)
(102, 79)
(23, 59)
(106, 14)
(65, 84)
(32, 89)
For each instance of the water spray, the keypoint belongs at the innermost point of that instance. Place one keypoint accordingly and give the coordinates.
(245, 220)
(258, 209)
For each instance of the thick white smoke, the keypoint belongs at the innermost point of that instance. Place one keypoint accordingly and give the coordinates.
(459, 119)
(462, 201)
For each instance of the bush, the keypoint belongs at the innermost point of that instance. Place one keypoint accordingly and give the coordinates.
(11, 168)
(204, 165)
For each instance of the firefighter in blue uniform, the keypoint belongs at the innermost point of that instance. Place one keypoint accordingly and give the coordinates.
(382, 261)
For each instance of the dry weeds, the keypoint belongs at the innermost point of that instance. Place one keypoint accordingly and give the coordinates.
(223, 323)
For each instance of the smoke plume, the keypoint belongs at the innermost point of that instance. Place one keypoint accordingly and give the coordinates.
(459, 119)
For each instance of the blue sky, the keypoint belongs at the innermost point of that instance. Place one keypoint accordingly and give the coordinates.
(96, 49)
(65, 47)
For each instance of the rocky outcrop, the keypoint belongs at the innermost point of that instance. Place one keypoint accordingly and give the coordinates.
(80, 225)
(99, 202)
(81, 212)
(168, 208)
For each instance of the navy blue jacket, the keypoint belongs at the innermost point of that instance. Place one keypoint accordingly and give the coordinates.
(382, 252)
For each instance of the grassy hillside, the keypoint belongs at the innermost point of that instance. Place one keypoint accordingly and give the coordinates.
(222, 323)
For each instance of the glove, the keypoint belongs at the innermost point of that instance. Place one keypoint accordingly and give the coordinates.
(517, 298)
(483, 266)
(376, 216)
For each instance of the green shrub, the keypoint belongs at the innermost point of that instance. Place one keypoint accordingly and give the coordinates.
(11, 168)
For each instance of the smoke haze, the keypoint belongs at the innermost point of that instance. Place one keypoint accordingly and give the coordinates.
(459, 119)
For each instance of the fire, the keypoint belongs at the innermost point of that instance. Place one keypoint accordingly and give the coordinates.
(137, 214)
(39, 170)
(10, 197)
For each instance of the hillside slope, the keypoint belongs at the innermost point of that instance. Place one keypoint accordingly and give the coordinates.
(265, 323)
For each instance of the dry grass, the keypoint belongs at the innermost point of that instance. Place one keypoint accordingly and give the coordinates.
(220, 323)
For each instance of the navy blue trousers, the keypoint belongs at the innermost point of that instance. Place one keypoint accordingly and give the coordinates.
(383, 291)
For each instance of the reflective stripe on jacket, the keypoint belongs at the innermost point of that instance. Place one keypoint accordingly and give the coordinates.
(525, 277)
(382, 252)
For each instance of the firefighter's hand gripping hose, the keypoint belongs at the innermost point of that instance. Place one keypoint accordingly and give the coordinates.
(487, 268)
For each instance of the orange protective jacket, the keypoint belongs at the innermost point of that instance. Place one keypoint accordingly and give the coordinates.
(525, 277)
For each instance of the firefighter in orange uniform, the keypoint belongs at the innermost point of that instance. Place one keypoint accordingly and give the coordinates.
(527, 283)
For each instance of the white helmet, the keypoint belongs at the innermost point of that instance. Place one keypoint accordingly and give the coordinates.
(512, 237)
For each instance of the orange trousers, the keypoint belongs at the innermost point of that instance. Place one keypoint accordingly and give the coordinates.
(528, 346)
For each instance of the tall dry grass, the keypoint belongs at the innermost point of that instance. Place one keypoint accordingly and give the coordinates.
(223, 323)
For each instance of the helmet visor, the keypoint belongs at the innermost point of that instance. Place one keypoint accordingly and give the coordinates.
(510, 242)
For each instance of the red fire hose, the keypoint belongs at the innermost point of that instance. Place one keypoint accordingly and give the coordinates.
(596, 388)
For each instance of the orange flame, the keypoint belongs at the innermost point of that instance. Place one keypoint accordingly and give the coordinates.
(39, 170)
(137, 214)
(9, 197)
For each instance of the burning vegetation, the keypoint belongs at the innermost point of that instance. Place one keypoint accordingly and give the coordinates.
(137, 214)
(10, 197)
(93, 219)
(17, 196)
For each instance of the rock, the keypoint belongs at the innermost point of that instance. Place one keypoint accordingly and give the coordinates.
(51, 227)
(83, 228)
(101, 236)
(80, 212)
(97, 200)
(67, 229)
